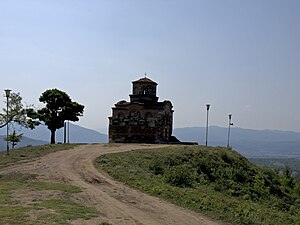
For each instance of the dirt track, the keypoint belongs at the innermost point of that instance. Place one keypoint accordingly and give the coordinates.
(117, 204)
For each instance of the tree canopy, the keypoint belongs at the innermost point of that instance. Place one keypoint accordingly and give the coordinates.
(17, 113)
(59, 108)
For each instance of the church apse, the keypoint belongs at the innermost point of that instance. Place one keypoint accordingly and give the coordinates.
(143, 119)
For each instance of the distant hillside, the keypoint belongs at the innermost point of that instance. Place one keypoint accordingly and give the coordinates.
(251, 143)
(41, 135)
(25, 142)
(78, 134)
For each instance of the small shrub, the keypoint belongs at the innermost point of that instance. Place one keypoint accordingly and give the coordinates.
(287, 179)
(240, 175)
(180, 176)
(226, 158)
(156, 166)
(206, 167)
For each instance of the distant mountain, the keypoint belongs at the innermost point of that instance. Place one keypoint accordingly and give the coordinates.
(25, 142)
(41, 134)
(251, 143)
(78, 134)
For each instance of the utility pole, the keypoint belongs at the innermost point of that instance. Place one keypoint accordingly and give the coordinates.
(7, 94)
(207, 109)
(68, 131)
(65, 132)
(229, 125)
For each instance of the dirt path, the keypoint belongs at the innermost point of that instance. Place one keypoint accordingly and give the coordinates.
(117, 204)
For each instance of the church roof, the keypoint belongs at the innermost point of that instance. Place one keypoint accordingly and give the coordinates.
(144, 80)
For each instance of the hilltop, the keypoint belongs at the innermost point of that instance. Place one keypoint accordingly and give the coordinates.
(215, 181)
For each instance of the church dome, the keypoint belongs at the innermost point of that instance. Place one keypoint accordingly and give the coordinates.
(122, 102)
(145, 80)
(144, 90)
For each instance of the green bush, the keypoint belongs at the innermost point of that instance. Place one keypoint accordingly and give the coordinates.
(180, 176)
(156, 166)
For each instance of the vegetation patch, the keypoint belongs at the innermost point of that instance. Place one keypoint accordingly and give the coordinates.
(63, 210)
(215, 181)
(40, 209)
(280, 164)
(55, 186)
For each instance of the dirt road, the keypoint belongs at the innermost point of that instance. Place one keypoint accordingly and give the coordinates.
(117, 204)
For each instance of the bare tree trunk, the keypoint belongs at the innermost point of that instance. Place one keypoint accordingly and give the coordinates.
(53, 136)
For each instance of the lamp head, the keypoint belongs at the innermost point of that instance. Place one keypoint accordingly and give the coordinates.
(7, 92)
(207, 107)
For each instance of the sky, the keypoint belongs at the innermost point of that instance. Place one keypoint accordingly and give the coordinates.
(241, 57)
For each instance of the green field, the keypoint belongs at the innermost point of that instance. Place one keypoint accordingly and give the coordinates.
(214, 181)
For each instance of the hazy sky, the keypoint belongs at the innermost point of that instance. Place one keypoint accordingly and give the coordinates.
(241, 56)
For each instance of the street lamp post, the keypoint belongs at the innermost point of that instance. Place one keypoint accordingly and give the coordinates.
(207, 109)
(229, 125)
(7, 94)
(65, 132)
(68, 131)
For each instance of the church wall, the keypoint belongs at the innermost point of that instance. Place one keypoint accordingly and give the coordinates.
(143, 119)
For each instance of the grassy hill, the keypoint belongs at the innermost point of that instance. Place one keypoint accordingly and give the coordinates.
(214, 181)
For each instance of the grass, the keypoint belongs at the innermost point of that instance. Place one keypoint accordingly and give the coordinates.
(62, 211)
(47, 211)
(55, 186)
(31, 152)
(216, 182)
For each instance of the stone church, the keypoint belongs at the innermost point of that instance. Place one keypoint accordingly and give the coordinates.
(144, 119)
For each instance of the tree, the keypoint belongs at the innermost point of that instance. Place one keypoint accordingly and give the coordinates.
(59, 108)
(17, 113)
(14, 138)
